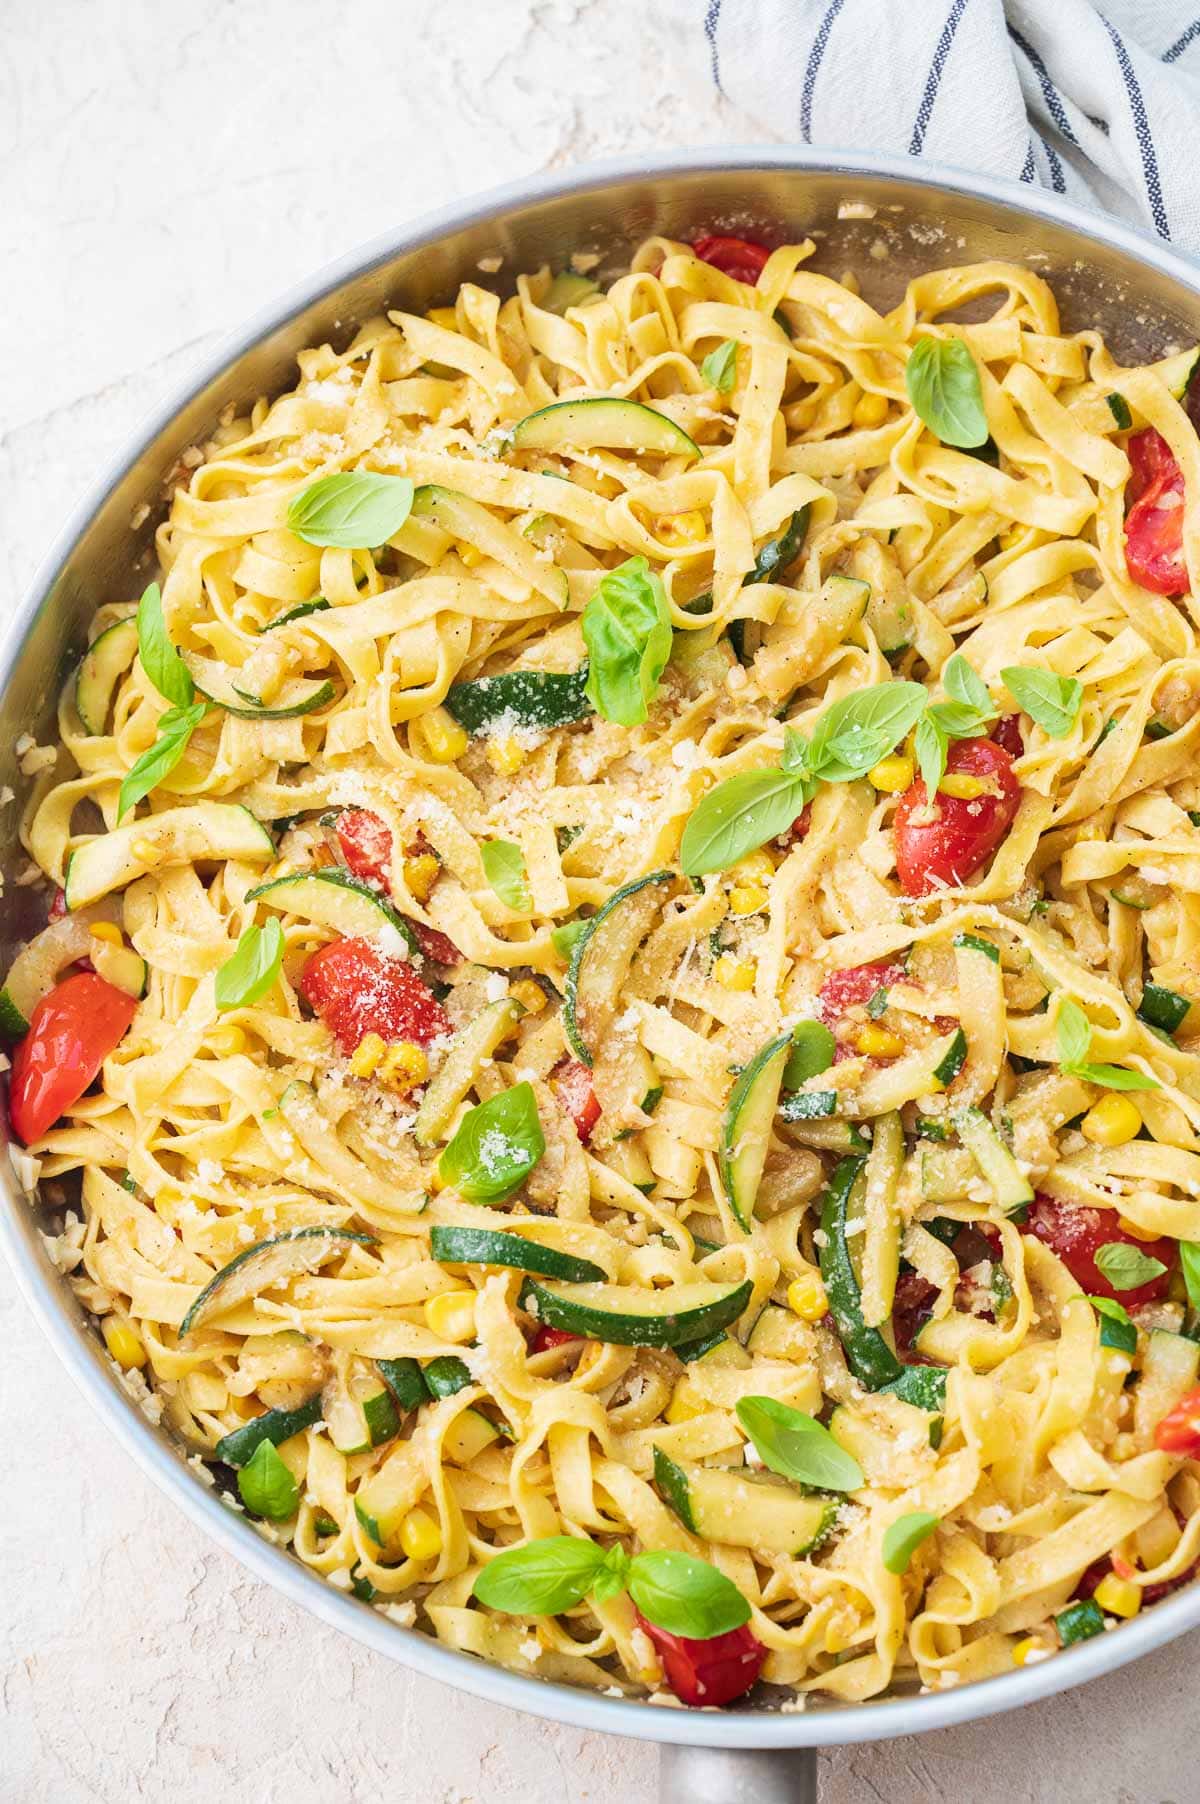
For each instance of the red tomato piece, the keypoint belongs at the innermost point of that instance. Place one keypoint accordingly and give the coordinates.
(1077, 1233)
(357, 990)
(435, 945)
(71, 1033)
(913, 1302)
(551, 1337)
(855, 985)
(572, 1084)
(1179, 1430)
(1007, 733)
(740, 258)
(58, 905)
(797, 831)
(714, 1670)
(366, 844)
(961, 834)
(1154, 521)
(1153, 1594)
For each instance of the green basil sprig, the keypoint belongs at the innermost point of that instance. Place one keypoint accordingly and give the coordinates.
(1126, 1267)
(1116, 1312)
(504, 868)
(674, 1591)
(156, 654)
(798, 1447)
(965, 715)
(942, 379)
(354, 510)
(685, 1596)
(1189, 1260)
(253, 969)
(267, 1486)
(173, 680)
(175, 728)
(1049, 699)
(563, 938)
(902, 1538)
(719, 368)
(627, 630)
(496, 1146)
(813, 1051)
(1074, 1032)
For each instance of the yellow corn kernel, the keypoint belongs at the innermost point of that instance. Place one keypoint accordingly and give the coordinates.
(123, 1342)
(451, 1315)
(403, 1066)
(433, 1179)
(529, 994)
(505, 755)
(227, 1039)
(445, 740)
(806, 1297)
(962, 785)
(108, 931)
(1114, 1121)
(420, 875)
(421, 1535)
(146, 852)
(1118, 1596)
(734, 973)
(470, 555)
(678, 530)
(1029, 1649)
(443, 316)
(870, 410)
(892, 775)
(755, 867)
(878, 1042)
(364, 1060)
(684, 1404)
(747, 898)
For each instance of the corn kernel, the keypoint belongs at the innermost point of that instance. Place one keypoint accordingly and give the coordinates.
(806, 1297)
(1114, 1121)
(123, 1342)
(892, 775)
(403, 1066)
(870, 410)
(529, 994)
(227, 1039)
(443, 316)
(878, 1042)
(734, 973)
(445, 741)
(451, 1315)
(1117, 1596)
(420, 875)
(506, 755)
(685, 1405)
(678, 530)
(364, 1060)
(471, 555)
(963, 786)
(107, 931)
(755, 867)
(1029, 1649)
(146, 852)
(747, 898)
(421, 1535)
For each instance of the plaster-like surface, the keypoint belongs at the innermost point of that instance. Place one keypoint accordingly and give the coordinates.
(168, 168)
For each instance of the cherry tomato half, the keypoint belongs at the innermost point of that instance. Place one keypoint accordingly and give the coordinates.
(714, 1670)
(366, 844)
(1077, 1233)
(852, 987)
(1007, 733)
(961, 834)
(357, 990)
(572, 1084)
(1154, 521)
(1179, 1430)
(547, 1337)
(71, 1033)
(740, 258)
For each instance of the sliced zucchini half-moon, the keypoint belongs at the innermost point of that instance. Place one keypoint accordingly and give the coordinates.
(472, 524)
(541, 699)
(602, 423)
(206, 830)
(261, 1267)
(358, 1408)
(101, 668)
(474, 1043)
(36, 968)
(276, 1426)
(485, 1246)
(746, 1133)
(215, 682)
(742, 1510)
(627, 1316)
(335, 899)
(601, 959)
(870, 1358)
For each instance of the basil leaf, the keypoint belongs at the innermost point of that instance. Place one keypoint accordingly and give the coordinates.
(253, 969)
(175, 728)
(965, 685)
(1126, 1267)
(266, 1485)
(1074, 1032)
(931, 746)
(1189, 1259)
(1116, 1312)
(613, 1575)
(541, 1578)
(813, 1048)
(627, 630)
(563, 938)
(795, 753)
(1053, 701)
(796, 1446)
(956, 720)
(495, 1148)
(738, 816)
(855, 733)
(685, 1596)
(719, 368)
(158, 657)
(943, 384)
(353, 509)
(902, 1538)
(1113, 1077)
(504, 868)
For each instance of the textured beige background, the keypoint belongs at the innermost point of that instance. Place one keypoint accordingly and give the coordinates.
(165, 170)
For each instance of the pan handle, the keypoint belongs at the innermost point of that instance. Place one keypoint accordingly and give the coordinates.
(737, 1775)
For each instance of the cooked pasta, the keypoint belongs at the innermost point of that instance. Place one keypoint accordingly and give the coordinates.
(561, 1080)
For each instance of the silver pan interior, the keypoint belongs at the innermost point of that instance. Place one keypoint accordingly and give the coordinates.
(884, 219)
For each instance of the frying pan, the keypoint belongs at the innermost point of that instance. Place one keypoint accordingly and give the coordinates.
(886, 218)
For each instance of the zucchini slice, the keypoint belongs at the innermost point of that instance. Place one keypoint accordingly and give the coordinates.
(36, 968)
(773, 558)
(919, 1073)
(1169, 1371)
(871, 1359)
(207, 830)
(469, 1435)
(922, 1386)
(719, 1504)
(468, 1051)
(627, 1316)
(467, 520)
(809, 1105)
(215, 682)
(359, 1409)
(484, 1246)
(718, 1350)
(447, 1375)
(101, 668)
(568, 290)
(317, 605)
(746, 1133)
(541, 699)
(335, 899)
(406, 1382)
(601, 959)
(266, 1264)
(276, 1426)
(779, 1334)
(605, 422)
(387, 1495)
(121, 966)
(1163, 1008)
(1013, 1190)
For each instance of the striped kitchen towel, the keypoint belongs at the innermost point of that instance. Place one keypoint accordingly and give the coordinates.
(1101, 106)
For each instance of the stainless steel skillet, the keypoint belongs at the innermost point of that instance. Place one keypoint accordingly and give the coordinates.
(886, 218)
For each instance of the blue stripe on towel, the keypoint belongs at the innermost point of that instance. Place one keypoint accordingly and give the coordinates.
(1057, 178)
(710, 31)
(1029, 172)
(1050, 93)
(925, 111)
(1141, 126)
(1181, 43)
(814, 64)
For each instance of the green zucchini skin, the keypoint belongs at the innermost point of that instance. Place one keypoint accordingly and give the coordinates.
(952, 1060)
(584, 948)
(542, 699)
(626, 1329)
(406, 1382)
(604, 421)
(672, 1483)
(871, 1359)
(808, 1105)
(1079, 1622)
(922, 1386)
(276, 1426)
(303, 608)
(446, 1376)
(1163, 1008)
(745, 1133)
(200, 1308)
(484, 1246)
(341, 886)
(774, 557)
